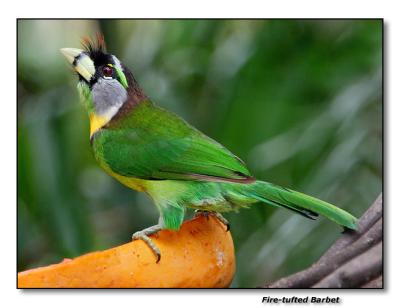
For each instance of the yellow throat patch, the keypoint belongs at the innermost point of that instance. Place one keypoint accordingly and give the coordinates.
(97, 122)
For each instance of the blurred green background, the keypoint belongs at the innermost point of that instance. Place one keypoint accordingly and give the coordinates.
(299, 101)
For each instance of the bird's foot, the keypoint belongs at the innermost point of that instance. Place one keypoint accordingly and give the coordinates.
(144, 235)
(203, 213)
(223, 220)
(216, 214)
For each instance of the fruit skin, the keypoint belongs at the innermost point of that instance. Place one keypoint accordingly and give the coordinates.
(199, 255)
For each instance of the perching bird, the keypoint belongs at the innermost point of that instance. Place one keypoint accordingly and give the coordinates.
(152, 150)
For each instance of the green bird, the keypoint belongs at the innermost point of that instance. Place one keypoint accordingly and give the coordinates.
(152, 150)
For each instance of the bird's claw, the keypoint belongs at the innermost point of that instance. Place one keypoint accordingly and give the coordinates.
(144, 235)
(223, 220)
(217, 215)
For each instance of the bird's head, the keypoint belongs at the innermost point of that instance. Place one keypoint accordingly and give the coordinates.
(105, 84)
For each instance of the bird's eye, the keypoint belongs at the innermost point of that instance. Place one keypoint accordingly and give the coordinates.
(107, 71)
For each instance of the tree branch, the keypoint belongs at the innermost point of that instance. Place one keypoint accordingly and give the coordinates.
(354, 260)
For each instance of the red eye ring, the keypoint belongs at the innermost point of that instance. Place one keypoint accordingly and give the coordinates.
(107, 71)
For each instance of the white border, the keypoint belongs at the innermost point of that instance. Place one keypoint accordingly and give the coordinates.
(173, 8)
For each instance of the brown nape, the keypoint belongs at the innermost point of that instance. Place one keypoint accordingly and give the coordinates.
(134, 91)
(135, 96)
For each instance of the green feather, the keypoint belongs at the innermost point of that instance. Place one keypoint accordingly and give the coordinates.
(300, 203)
(121, 77)
(86, 96)
(152, 143)
(181, 167)
(172, 216)
(225, 197)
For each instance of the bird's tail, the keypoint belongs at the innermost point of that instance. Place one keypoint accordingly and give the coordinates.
(300, 203)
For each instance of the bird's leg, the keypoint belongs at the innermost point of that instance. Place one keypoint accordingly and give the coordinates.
(204, 213)
(223, 220)
(216, 214)
(144, 235)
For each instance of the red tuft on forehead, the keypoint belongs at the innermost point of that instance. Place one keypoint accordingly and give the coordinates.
(96, 45)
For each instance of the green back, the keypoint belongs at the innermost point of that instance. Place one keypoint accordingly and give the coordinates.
(151, 143)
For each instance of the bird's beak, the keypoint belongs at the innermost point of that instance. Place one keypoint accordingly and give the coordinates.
(80, 61)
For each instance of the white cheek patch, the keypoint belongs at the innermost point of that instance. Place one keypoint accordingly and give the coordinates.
(85, 67)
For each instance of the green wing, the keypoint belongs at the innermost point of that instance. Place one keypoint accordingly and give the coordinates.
(152, 143)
